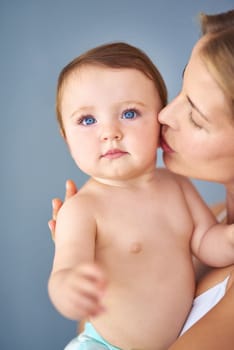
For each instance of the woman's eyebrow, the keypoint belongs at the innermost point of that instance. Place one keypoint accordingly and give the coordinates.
(197, 109)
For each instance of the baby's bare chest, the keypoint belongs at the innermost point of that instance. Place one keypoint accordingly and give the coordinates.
(138, 224)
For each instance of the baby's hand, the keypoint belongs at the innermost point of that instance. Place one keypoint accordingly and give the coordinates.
(83, 289)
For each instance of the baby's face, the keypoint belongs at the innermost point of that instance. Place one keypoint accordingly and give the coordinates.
(110, 118)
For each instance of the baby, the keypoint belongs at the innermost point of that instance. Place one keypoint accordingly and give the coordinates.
(123, 242)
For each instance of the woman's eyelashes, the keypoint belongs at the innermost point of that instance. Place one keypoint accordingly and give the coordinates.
(198, 126)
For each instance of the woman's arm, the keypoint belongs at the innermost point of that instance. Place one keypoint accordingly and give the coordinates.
(214, 331)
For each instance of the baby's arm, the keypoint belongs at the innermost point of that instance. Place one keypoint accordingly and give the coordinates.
(57, 203)
(211, 242)
(76, 283)
(216, 245)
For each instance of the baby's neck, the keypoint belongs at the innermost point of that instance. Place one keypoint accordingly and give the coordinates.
(140, 181)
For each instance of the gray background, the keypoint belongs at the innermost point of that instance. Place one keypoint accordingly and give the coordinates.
(37, 38)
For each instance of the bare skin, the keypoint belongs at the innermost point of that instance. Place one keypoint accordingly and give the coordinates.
(138, 254)
(71, 189)
(113, 259)
(198, 133)
(133, 252)
(216, 321)
(219, 320)
(213, 331)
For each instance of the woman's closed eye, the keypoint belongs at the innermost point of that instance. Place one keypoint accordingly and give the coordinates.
(87, 120)
(130, 114)
(198, 126)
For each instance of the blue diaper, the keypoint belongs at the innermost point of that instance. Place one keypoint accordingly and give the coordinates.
(89, 339)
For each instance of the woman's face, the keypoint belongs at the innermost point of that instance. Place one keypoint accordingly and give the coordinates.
(197, 135)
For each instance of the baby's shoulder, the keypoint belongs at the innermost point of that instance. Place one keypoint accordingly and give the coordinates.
(83, 199)
(167, 176)
(178, 185)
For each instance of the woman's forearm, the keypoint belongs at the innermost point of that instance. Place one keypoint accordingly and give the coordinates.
(230, 206)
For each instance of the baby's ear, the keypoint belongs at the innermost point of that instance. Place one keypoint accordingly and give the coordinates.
(62, 133)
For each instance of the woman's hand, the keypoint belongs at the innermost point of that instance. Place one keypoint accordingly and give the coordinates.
(71, 189)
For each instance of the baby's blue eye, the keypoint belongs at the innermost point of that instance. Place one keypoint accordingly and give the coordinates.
(130, 114)
(87, 121)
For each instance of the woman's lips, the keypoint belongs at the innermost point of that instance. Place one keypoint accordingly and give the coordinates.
(164, 145)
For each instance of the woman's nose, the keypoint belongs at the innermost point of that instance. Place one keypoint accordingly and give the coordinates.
(168, 115)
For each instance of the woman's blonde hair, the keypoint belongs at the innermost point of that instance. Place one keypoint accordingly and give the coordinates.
(218, 50)
(113, 55)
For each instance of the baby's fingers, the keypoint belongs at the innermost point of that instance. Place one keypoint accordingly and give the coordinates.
(94, 274)
(85, 295)
(88, 305)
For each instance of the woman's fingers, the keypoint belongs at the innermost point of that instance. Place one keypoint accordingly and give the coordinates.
(56, 205)
(51, 224)
(71, 189)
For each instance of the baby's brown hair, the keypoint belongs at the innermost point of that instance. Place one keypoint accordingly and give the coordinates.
(114, 55)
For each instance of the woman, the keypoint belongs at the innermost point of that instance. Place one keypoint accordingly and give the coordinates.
(197, 122)
(198, 141)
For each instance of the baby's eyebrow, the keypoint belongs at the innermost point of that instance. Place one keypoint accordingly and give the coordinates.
(132, 102)
(81, 110)
(197, 109)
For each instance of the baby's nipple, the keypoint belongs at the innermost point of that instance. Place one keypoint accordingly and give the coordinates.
(136, 247)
